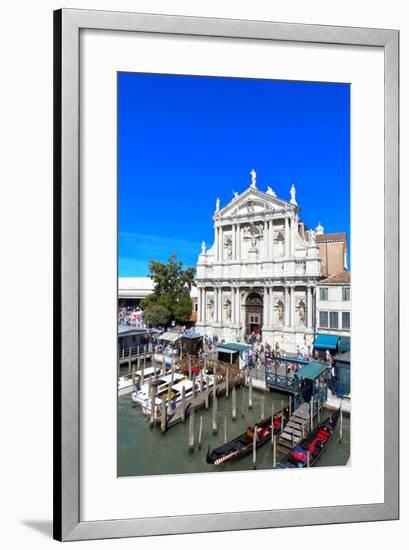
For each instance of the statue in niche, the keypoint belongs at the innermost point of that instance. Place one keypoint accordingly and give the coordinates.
(301, 311)
(228, 246)
(280, 311)
(210, 307)
(279, 244)
(227, 308)
(253, 234)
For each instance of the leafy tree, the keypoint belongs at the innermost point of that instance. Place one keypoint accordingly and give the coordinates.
(157, 315)
(182, 310)
(172, 289)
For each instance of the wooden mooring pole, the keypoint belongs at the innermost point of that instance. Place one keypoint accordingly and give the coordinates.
(192, 431)
(262, 407)
(250, 392)
(189, 362)
(183, 404)
(312, 413)
(207, 393)
(225, 429)
(227, 382)
(272, 424)
(142, 371)
(274, 451)
(243, 402)
(282, 415)
(199, 443)
(289, 405)
(163, 365)
(233, 403)
(214, 416)
(254, 446)
(340, 424)
(163, 416)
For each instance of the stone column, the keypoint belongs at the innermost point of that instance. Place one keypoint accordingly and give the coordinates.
(233, 242)
(292, 239)
(287, 236)
(232, 305)
(216, 241)
(204, 305)
(238, 242)
(309, 307)
(286, 306)
(199, 305)
(215, 305)
(265, 307)
(292, 307)
(220, 317)
(220, 243)
(270, 239)
(238, 308)
(270, 307)
(265, 238)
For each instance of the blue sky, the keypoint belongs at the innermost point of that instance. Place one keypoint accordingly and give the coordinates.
(183, 141)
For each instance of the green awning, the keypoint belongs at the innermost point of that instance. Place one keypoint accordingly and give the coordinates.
(344, 344)
(326, 341)
(312, 371)
(234, 346)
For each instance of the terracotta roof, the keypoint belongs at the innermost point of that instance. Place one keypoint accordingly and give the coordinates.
(343, 277)
(327, 237)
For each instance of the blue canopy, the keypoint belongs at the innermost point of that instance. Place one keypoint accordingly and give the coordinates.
(326, 341)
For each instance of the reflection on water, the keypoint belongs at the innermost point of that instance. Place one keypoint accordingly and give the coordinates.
(146, 451)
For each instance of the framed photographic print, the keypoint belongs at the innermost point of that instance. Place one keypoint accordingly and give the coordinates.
(226, 314)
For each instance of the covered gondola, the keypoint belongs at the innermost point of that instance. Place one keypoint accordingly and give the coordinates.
(311, 448)
(243, 444)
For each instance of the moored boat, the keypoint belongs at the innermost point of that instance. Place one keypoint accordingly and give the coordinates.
(243, 444)
(311, 448)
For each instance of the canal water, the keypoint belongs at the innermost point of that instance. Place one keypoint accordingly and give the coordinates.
(144, 451)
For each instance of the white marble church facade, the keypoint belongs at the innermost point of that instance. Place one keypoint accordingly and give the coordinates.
(261, 272)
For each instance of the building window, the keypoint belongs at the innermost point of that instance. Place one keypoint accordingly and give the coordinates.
(324, 319)
(333, 319)
(323, 293)
(346, 293)
(346, 320)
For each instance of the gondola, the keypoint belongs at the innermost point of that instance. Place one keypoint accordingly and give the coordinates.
(313, 446)
(243, 444)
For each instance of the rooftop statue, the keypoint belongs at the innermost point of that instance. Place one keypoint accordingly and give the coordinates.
(217, 204)
(203, 247)
(253, 175)
(270, 191)
(292, 194)
(235, 194)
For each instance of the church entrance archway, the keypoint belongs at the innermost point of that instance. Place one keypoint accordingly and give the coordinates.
(254, 313)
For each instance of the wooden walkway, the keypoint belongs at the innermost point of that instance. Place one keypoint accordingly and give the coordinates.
(295, 430)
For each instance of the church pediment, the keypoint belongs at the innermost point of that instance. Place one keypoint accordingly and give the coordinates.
(252, 203)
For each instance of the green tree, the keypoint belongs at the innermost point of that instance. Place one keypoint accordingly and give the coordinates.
(157, 315)
(172, 289)
(182, 310)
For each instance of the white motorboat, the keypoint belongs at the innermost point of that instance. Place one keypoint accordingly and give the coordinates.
(163, 389)
(125, 384)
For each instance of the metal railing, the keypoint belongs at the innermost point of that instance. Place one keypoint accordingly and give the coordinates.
(134, 351)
